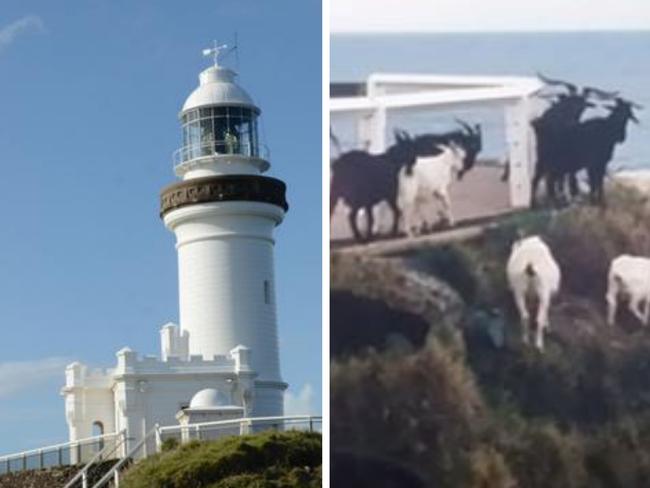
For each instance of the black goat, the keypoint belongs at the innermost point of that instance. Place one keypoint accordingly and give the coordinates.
(590, 145)
(363, 180)
(565, 111)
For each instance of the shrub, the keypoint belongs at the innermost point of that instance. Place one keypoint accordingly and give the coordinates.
(421, 409)
(265, 458)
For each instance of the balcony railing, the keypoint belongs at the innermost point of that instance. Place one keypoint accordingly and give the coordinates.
(210, 149)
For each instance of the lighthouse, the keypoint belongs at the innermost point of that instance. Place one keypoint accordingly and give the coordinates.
(221, 362)
(223, 213)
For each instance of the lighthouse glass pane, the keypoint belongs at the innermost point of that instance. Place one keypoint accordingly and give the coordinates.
(195, 138)
(207, 137)
(234, 126)
(220, 129)
(255, 137)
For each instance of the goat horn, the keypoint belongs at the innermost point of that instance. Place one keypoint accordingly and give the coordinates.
(602, 94)
(465, 125)
(632, 104)
(573, 89)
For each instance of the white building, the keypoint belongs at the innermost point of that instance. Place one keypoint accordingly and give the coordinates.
(223, 213)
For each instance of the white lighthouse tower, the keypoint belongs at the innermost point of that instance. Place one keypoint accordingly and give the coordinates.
(221, 362)
(223, 213)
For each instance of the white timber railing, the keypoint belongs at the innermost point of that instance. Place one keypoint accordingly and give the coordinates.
(388, 94)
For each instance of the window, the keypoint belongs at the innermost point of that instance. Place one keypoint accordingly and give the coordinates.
(267, 292)
(98, 430)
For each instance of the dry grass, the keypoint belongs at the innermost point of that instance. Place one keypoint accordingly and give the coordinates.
(469, 412)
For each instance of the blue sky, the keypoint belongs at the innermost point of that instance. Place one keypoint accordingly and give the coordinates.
(496, 15)
(89, 97)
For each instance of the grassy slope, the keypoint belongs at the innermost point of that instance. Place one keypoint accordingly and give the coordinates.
(576, 416)
(265, 460)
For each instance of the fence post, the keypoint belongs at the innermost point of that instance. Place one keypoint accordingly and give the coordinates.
(116, 479)
(24, 462)
(84, 480)
(60, 456)
(158, 439)
(311, 424)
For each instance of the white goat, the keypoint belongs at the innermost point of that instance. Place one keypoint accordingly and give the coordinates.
(533, 273)
(629, 276)
(429, 179)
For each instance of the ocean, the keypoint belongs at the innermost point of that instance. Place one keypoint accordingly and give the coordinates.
(608, 60)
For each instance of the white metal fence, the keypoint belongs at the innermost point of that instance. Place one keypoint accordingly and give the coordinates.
(94, 450)
(70, 453)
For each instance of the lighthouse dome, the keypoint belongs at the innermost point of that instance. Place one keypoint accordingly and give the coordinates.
(209, 398)
(217, 87)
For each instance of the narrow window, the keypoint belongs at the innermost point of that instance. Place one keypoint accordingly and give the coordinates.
(267, 292)
(98, 430)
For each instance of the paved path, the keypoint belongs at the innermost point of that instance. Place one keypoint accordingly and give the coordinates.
(479, 195)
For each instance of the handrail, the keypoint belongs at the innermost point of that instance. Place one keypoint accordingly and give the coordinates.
(219, 423)
(114, 471)
(54, 447)
(206, 149)
(84, 471)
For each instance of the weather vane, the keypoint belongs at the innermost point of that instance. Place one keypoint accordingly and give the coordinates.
(215, 52)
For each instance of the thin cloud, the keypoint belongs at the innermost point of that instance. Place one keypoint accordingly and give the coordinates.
(301, 403)
(18, 376)
(9, 33)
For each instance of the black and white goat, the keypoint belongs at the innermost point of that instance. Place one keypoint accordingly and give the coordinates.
(427, 181)
(363, 180)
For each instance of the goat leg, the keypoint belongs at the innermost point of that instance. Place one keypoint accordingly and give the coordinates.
(370, 222)
(352, 219)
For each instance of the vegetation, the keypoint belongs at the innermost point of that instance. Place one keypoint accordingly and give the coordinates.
(477, 409)
(53, 477)
(266, 460)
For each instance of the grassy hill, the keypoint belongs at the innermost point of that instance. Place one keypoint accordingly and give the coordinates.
(466, 404)
(265, 460)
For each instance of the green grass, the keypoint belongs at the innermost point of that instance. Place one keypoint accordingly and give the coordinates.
(265, 460)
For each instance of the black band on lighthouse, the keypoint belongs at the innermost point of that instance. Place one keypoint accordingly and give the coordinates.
(224, 188)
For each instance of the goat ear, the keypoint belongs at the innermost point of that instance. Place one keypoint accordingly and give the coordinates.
(477, 129)
(397, 134)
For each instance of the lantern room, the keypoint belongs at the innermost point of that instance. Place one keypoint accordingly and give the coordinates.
(219, 128)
